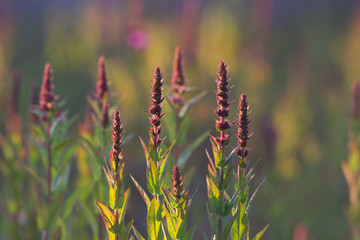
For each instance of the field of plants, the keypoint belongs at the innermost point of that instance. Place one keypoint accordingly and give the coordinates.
(190, 119)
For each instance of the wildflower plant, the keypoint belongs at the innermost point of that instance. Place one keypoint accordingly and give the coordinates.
(179, 119)
(56, 150)
(156, 160)
(228, 213)
(118, 198)
(240, 228)
(94, 135)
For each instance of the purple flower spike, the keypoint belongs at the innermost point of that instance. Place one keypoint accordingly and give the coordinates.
(222, 111)
(102, 84)
(178, 79)
(46, 94)
(243, 127)
(155, 108)
(177, 183)
(117, 136)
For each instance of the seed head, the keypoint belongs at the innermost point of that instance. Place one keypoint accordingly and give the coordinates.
(117, 136)
(222, 111)
(46, 94)
(102, 84)
(243, 127)
(155, 108)
(177, 183)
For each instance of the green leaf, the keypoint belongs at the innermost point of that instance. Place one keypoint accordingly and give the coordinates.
(122, 209)
(108, 219)
(229, 226)
(190, 103)
(260, 234)
(152, 176)
(165, 232)
(53, 214)
(170, 124)
(184, 127)
(141, 191)
(126, 231)
(190, 234)
(71, 200)
(171, 224)
(95, 162)
(137, 234)
(90, 217)
(41, 212)
(153, 225)
(213, 195)
(228, 176)
(239, 226)
(55, 124)
(189, 150)
(181, 224)
(163, 161)
(41, 131)
(146, 151)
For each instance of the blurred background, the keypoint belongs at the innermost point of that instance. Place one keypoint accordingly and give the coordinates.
(296, 60)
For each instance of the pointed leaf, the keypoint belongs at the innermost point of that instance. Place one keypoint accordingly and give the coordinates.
(260, 234)
(190, 103)
(137, 234)
(153, 225)
(152, 176)
(190, 234)
(107, 217)
(189, 150)
(141, 191)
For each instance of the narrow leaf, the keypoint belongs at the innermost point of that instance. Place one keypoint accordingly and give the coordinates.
(141, 191)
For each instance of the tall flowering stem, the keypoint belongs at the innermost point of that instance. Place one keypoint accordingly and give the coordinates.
(47, 105)
(220, 168)
(240, 226)
(118, 198)
(156, 159)
(242, 134)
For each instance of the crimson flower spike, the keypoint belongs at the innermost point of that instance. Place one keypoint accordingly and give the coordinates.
(177, 183)
(243, 128)
(222, 111)
(155, 108)
(46, 94)
(102, 84)
(117, 136)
